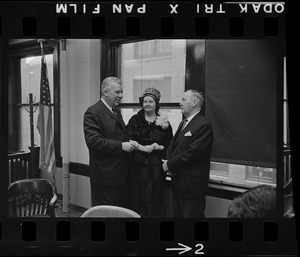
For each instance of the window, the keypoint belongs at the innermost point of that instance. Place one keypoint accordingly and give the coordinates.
(142, 65)
(24, 79)
(30, 84)
(152, 49)
(242, 174)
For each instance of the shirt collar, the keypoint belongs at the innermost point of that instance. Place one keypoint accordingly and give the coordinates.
(106, 104)
(191, 117)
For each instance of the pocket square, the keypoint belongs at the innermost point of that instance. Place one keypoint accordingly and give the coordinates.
(188, 134)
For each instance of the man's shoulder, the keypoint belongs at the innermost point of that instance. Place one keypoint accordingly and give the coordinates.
(93, 110)
(96, 106)
(199, 117)
(202, 120)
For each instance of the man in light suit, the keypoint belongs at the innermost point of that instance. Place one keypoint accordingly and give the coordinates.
(108, 145)
(188, 158)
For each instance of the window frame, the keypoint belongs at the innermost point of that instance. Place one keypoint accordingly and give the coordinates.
(110, 64)
(19, 49)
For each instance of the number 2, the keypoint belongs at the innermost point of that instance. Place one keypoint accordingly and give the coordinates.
(199, 251)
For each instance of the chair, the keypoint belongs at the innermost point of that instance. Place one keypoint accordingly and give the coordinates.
(32, 197)
(109, 211)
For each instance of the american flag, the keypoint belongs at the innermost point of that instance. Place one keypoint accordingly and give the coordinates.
(44, 124)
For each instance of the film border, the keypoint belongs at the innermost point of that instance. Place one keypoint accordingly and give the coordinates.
(17, 17)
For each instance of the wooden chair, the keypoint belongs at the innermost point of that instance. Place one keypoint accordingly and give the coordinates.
(109, 211)
(32, 197)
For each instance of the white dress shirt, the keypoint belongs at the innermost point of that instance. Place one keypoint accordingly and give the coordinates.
(106, 104)
(189, 119)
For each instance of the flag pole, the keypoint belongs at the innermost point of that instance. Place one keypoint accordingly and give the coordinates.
(65, 124)
(45, 80)
(42, 53)
(42, 48)
(32, 149)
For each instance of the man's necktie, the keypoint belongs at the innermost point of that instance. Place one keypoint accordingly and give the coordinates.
(183, 124)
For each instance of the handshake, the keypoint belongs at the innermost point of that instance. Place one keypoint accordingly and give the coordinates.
(133, 145)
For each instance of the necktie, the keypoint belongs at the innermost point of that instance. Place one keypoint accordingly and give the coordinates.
(114, 111)
(183, 124)
(180, 127)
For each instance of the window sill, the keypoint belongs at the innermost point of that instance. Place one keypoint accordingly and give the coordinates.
(225, 191)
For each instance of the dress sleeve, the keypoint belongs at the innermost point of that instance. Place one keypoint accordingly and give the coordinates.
(167, 138)
(132, 127)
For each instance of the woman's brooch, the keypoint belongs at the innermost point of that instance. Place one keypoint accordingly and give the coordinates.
(162, 120)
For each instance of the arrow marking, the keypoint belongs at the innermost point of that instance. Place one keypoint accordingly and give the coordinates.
(183, 250)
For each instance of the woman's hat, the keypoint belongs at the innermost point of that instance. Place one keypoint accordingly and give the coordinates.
(152, 91)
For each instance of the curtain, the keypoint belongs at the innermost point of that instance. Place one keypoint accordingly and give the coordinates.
(241, 100)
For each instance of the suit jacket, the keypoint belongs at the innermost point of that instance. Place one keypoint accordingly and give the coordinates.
(189, 154)
(104, 133)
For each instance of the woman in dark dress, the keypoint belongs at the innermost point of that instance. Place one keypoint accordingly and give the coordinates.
(153, 132)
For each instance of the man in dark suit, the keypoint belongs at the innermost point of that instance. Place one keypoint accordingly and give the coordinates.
(108, 145)
(188, 158)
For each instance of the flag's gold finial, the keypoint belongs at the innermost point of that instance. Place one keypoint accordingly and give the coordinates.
(41, 41)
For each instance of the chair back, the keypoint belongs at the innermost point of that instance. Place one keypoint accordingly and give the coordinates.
(109, 211)
(31, 197)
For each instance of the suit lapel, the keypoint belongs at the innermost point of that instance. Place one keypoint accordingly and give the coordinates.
(179, 128)
(117, 116)
(177, 134)
(180, 134)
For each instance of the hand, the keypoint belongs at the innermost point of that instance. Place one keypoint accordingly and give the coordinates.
(146, 148)
(165, 165)
(134, 144)
(127, 147)
(155, 146)
(160, 147)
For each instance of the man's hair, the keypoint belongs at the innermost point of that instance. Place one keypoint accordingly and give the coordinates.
(198, 95)
(107, 81)
(258, 202)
